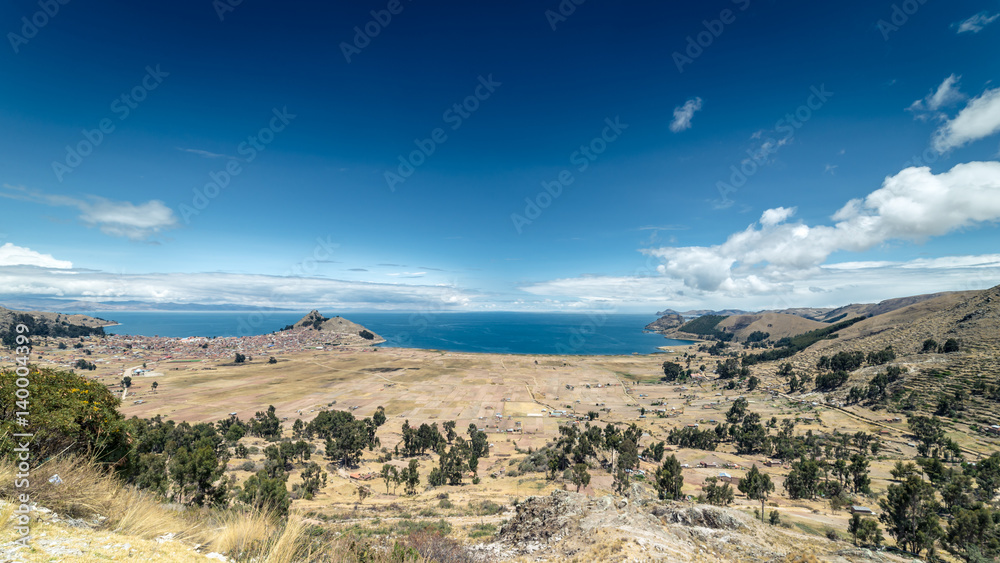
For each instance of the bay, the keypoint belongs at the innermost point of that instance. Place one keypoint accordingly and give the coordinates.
(494, 332)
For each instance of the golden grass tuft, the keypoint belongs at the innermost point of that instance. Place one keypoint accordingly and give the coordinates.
(88, 491)
(243, 533)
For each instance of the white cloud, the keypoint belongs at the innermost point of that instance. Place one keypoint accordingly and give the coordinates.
(207, 154)
(831, 285)
(979, 119)
(976, 23)
(912, 205)
(252, 290)
(114, 218)
(684, 114)
(11, 255)
(946, 94)
(777, 215)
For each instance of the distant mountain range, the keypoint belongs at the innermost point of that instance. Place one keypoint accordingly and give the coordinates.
(819, 313)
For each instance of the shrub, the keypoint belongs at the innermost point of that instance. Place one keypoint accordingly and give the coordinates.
(482, 530)
(485, 508)
(69, 414)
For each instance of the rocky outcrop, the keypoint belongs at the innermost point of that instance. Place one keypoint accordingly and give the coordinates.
(666, 322)
(314, 320)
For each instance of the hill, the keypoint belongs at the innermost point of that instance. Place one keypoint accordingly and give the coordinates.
(776, 325)
(314, 320)
(970, 318)
(49, 324)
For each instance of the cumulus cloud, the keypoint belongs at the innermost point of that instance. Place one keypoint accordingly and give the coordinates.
(830, 285)
(976, 23)
(11, 255)
(912, 205)
(683, 115)
(777, 215)
(946, 94)
(114, 218)
(979, 119)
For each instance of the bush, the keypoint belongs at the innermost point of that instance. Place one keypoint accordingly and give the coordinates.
(485, 508)
(445, 503)
(69, 414)
(482, 530)
(248, 466)
(832, 534)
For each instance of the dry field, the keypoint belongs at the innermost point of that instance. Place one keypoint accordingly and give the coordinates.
(512, 397)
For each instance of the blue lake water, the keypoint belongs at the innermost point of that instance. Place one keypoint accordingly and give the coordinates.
(507, 333)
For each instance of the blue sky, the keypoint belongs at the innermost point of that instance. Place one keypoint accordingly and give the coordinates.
(391, 155)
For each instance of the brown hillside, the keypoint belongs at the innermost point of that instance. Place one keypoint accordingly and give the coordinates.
(972, 318)
(336, 325)
(7, 319)
(778, 325)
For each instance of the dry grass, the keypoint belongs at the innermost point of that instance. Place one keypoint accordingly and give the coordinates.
(87, 491)
(6, 512)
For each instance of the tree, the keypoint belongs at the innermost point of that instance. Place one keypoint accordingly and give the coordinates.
(272, 360)
(987, 475)
(155, 385)
(240, 358)
(737, 411)
(757, 486)
(127, 381)
(672, 371)
(930, 346)
(860, 481)
(909, 514)
(901, 471)
(669, 479)
(950, 345)
(449, 429)
(975, 532)
(313, 478)
(389, 474)
(865, 530)
(412, 477)
(581, 477)
(379, 417)
(266, 493)
(716, 494)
